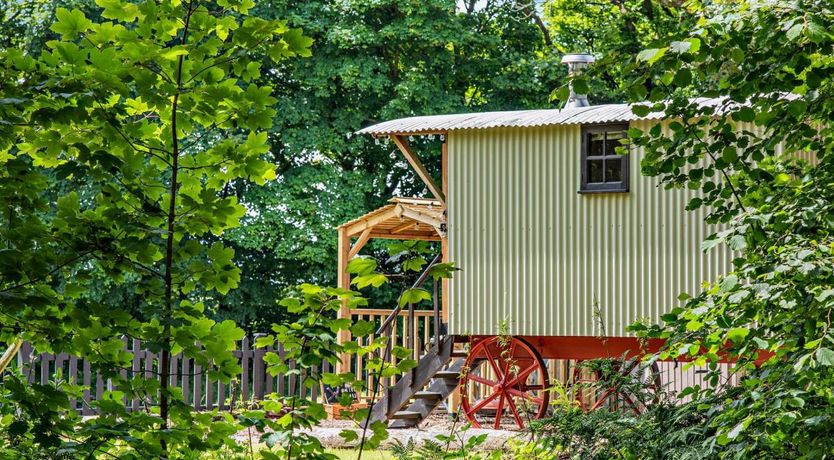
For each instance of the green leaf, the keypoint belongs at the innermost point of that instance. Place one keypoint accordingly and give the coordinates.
(373, 279)
(795, 31)
(118, 10)
(414, 296)
(728, 283)
(737, 334)
(745, 114)
(737, 243)
(561, 93)
(361, 265)
(414, 264)
(640, 110)
(70, 23)
(361, 328)
(349, 435)
(825, 356)
(651, 55)
(683, 77)
(298, 43)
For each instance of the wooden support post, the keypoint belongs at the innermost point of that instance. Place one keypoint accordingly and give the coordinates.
(453, 402)
(402, 144)
(343, 281)
(444, 242)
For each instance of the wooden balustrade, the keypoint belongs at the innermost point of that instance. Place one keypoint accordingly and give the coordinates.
(421, 333)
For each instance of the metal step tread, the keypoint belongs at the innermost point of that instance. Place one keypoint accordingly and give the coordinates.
(428, 395)
(406, 414)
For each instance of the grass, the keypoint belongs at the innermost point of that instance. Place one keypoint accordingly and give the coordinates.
(350, 454)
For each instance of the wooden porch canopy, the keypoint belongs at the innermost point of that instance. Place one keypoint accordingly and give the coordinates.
(401, 219)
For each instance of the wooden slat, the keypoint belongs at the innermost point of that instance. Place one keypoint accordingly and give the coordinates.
(244, 364)
(186, 380)
(198, 386)
(46, 359)
(73, 378)
(210, 392)
(100, 384)
(135, 369)
(282, 386)
(258, 373)
(86, 409)
(270, 379)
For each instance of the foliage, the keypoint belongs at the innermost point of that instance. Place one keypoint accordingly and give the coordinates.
(307, 343)
(661, 429)
(454, 445)
(614, 31)
(372, 61)
(104, 173)
(771, 63)
(312, 340)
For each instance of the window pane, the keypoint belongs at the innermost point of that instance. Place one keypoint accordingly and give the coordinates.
(595, 144)
(613, 140)
(595, 170)
(614, 170)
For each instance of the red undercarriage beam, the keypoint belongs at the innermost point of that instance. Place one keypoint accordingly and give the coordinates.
(581, 348)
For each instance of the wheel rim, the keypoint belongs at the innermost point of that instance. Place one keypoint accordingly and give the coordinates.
(590, 395)
(505, 384)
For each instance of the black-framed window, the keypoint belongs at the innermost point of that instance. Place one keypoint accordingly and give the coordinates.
(604, 169)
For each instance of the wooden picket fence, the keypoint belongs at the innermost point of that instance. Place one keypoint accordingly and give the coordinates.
(202, 393)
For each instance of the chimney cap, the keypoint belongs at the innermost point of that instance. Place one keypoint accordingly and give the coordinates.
(578, 58)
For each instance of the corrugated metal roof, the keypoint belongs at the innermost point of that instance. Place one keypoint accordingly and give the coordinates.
(607, 113)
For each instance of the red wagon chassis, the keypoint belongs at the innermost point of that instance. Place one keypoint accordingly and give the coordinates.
(505, 380)
(582, 348)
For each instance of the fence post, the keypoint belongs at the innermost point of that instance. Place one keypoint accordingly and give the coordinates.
(135, 369)
(258, 370)
(282, 385)
(244, 364)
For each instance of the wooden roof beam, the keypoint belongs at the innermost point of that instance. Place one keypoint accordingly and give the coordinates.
(373, 221)
(422, 218)
(406, 236)
(404, 227)
(402, 144)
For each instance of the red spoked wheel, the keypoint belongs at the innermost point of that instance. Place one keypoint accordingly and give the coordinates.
(616, 385)
(505, 384)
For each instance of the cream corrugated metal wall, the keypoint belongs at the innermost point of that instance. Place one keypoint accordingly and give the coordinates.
(537, 256)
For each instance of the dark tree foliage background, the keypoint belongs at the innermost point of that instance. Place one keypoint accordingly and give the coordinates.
(373, 61)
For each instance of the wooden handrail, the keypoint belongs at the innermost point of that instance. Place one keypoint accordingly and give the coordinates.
(396, 312)
(386, 312)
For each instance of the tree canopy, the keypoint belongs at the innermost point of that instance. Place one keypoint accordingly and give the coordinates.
(762, 158)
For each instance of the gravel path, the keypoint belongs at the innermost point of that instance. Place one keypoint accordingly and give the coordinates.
(436, 424)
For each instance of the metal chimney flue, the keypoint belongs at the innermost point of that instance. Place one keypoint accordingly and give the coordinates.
(576, 64)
